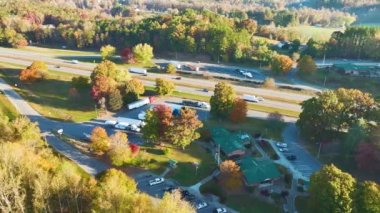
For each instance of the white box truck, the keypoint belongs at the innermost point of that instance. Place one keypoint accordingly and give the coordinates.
(130, 121)
(138, 70)
(250, 98)
(138, 103)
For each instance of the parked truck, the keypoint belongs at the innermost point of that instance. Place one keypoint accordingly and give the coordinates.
(130, 121)
(139, 103)
(138, 70)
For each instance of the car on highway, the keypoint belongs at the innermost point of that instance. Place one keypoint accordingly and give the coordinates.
(57, 66)
(220, 210)
(282, 145)
(156, 181)
(75, 61)
(291, 157)
(201, 205)
(283, 149)
(205, 90)
(178, 78)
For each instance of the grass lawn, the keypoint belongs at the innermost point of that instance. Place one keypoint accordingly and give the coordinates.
(335, 80)
(243, 203)
(7, 108)
(185, 171)
(269, 129)
(57, 51)
(50, 97)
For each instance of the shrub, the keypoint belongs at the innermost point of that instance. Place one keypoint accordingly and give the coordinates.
(269, 83)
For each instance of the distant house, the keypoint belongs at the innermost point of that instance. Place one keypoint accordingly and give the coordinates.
(258, 171)
(231, 144)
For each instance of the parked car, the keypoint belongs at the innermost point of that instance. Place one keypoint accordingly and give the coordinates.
(156, 181)
(121, 126)
(220, 210)
(134, 128)
(282, 145)
(57, 66)
(291, 157)
(110, 123)
(283, 149)
(201, 205)
(75, 61)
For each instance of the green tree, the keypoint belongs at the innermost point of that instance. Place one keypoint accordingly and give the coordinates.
(107, 52)
(115, 100)
(143, 53)
(114, 192)
(223, 99)
(331, 191)
(183, 129)
(164, 87)
(157, 123)
(133, 89)
(356, 134)
(307, 65)
(367, 197)
(281, 64)
(171, 69)
(150, 130)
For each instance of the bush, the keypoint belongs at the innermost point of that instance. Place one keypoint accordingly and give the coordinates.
(171, 69)
(164, 87)
(120, 155)
(269, 83)
(80, 82)
(167, 151)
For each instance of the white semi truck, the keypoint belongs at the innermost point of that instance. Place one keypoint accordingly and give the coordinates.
(138, 70)
(138, 103)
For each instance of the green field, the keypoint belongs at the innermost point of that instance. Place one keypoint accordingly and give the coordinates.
(50, 97)
(307, 32)
(7, 108)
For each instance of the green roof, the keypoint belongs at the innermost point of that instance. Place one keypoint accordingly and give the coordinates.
(258, 170)
(229, 142)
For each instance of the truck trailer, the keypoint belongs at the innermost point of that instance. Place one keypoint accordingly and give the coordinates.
(138, 70)
(138, 103)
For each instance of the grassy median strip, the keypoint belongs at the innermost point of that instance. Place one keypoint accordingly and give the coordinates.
(7, 108)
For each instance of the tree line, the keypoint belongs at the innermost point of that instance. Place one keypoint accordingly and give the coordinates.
(34, 179)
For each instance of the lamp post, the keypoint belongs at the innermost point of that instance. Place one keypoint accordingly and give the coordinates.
(196, 164)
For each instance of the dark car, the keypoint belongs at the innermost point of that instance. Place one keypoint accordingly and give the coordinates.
(291, 157)
(205, 90)
(178, 78)
(57, 66)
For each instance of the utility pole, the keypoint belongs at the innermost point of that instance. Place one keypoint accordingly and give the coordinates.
(319, 150)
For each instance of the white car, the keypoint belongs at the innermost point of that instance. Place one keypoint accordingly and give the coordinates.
(283, 149)
(282, 145)
(121, 126)
(134, 128)
(110, 123)
(204, 105)
(86, 136)
(141, 115)
(201, 205)
(75, 61)
(220, 210)
(156, 181)
(260, 98)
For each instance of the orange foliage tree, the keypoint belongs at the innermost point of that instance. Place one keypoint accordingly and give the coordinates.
(239, 111)
(230, 174)
(100, 142)
(282, 64)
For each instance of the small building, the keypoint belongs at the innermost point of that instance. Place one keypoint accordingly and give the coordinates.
(231, 144)
(258, 171)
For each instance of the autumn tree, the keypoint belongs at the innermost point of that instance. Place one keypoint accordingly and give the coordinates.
(107, 52)
(307, 65)
(230, 174)
(164, 87)
(109, 69)
(100, 141)
(127, 56)
(332, 111)
(331, 190)
(36, 71)
(115, 100)
(133, 89)
(157, 122)
(183, 129)
(239, 111)
(115, 192)
(367, 197)
(171, 69)
(223, 99)
(269, 83)
(281, 64)
(172, 202)
(143, 53)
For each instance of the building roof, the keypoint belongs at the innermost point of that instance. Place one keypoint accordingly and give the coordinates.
(229, 142)
(258, 170)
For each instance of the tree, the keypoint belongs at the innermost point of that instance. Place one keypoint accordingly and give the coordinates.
(164, 87)
(133, 89)
(269, 83)
(107, 52)
(230, 174)
(30, 75)
(80, 82)
(239, 111)
(332, 111)
(171, 69)
(39, 66)
(172, 202)
(150, 130)
(223, 99)
(119, 138)
(127, 56)
(331, 190)
(281, 64)
(183, 129)
(109, 69)
(356, 134)
(157, 123)
(114, 192)
(367, 198)
(115, 100)
(100, 141)
(367, 157)
(307, 65)
(120, 154)
(143, 53)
